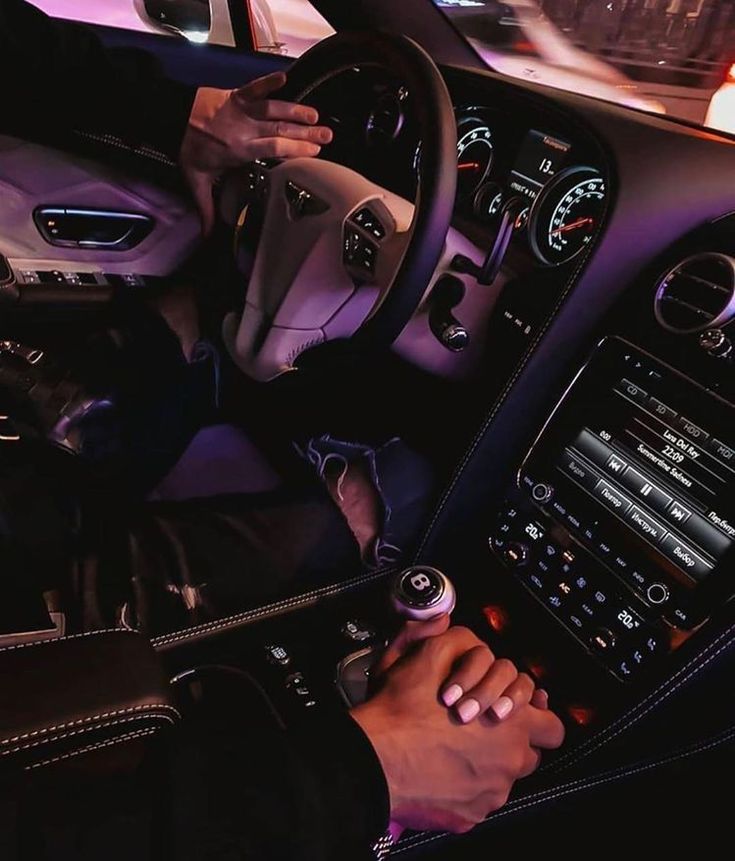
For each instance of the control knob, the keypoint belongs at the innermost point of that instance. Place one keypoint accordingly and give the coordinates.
(542, 492)
(422, 592)
(657, 593)
(716, 343)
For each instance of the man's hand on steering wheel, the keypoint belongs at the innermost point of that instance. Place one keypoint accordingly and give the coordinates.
(228, 128)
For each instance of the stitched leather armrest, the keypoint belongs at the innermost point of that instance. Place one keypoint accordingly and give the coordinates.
(65, 697)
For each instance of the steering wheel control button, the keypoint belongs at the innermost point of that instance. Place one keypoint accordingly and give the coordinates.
(422, 592)
(542, 493)
(360, 254)
(657, 593)
(367, 219)
(277, 655)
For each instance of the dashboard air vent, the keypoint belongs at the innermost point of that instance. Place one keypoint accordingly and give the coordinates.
(697, 294)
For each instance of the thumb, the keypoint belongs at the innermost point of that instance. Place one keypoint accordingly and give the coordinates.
(201, 186)
(410, 633)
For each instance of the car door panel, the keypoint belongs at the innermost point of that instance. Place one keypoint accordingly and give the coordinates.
(34, 176)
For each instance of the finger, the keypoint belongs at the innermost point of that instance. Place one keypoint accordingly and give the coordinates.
(410, 633)
(295, 131)
(260, 88)
(488, 692)
(452, 645)
(201, 186)
(540, 699)
(468, 672)
(272, 147)
(545, 729)
(517, 694)
(531, 762)
(275, 109)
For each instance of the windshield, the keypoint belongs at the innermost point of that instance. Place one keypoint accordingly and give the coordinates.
(667, 56)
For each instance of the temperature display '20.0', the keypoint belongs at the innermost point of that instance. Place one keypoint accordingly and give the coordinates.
(566, 215)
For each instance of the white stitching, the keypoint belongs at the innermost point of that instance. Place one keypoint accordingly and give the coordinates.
(64, 639)
(149, 707)
(622, 728)
(54, 739)
(269, 609)
(575, 786)
(629, 717)
(495, 409)
(97, 746)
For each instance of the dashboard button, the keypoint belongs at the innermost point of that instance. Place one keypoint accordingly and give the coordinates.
(632, 391)
(678, 513)
(612, 498)
(616, 465)
(646, 525)
(721, 451)
(577, 470)
(706, 536)
(692, 431)
(516, 554)
(277, 655)
(603, 640)
(661, 410)
(646, 490)
(683, 555)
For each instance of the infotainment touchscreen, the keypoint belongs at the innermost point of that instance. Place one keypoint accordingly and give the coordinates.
(651, 452)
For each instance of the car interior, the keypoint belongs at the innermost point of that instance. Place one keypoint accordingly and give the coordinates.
(532, 289)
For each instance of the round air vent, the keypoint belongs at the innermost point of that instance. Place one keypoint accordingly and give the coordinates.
(697, 294)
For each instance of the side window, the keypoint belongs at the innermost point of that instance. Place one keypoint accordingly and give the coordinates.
(197, 20)
(286, 27)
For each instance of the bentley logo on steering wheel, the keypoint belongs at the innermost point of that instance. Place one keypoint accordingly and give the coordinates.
(302, 202)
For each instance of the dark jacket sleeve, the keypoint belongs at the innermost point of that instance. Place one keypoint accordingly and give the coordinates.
(314, 795)
(57, 76)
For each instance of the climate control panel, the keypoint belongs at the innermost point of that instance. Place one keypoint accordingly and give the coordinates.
(626, 634)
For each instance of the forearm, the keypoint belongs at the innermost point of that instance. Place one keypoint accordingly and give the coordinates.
(317, 795)
(59, 75)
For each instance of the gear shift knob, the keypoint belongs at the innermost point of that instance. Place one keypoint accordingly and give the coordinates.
(422, 592)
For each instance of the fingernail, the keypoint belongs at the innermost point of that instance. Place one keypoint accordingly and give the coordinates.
(325, 136)
(313, 117)
(502, 708)
(468, 710)
(451, 695)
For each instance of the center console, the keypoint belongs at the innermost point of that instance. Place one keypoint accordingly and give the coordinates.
(622, 524)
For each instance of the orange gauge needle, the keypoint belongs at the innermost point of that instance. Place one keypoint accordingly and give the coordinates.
(581, 222)
(468, 165)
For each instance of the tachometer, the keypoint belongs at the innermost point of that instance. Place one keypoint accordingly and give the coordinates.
(474, 155)
(566, 214)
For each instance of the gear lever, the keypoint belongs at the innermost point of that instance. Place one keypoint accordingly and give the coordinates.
(421, 593)
(418, 593)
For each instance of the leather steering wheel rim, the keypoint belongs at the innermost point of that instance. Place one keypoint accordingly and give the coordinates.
(409, 63)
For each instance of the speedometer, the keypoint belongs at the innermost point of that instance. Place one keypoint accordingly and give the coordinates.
(566, 215)
(474, 155)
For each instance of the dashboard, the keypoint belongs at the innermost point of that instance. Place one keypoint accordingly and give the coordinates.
(557, 193)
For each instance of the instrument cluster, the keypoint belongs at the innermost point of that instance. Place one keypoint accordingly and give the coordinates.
(555, 201)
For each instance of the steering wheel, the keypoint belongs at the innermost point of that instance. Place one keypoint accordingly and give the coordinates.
(339, 256)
